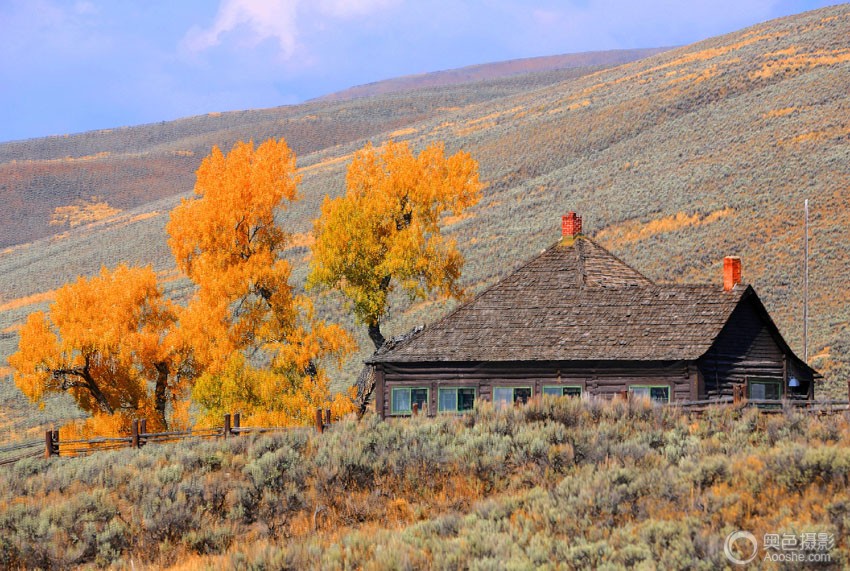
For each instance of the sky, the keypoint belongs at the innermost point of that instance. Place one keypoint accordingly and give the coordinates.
(69, 66)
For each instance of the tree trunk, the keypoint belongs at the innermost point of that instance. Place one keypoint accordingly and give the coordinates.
(311, 370)
(160, 397)
(375, 335)
(96, 392)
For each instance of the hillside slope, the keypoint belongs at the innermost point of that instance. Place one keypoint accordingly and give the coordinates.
(674, 161)
(489, 71)
(132, 166)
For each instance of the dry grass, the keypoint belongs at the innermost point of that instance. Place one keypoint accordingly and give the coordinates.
(618, 235)
(83, 212)
(798, 62)
(28, 300)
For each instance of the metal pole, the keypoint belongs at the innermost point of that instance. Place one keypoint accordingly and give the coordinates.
(806, 288)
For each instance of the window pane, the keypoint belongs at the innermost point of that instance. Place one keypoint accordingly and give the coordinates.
(765, 390)
(465, 399)
(772, 390)
(502, 396)
(522, 395)
(448, 399)
(553, 391)
(640, 391)
(660, 394)
(401, 400)
(572, 391)
(420, 397)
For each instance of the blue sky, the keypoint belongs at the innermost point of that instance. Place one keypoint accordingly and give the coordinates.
(77, 65)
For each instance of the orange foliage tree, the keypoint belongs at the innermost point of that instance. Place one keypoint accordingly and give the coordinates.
(385, 230)
(105, 341)
(258, 342)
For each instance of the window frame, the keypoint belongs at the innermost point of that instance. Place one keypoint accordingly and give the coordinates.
(762, 381)
(457, 400)
(513, 393)
(409, 412)
(650, 387)
(562, 387)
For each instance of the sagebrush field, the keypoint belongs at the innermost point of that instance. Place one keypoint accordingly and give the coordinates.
(557, 484)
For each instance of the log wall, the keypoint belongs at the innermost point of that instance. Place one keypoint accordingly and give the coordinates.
(605, 379)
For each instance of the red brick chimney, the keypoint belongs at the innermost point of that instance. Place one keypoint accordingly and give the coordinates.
(731, 272)
(571, 224)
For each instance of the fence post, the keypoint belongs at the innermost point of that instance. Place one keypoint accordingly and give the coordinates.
(237, 422)
(623, 394)
(738, 392)
(143, 429)
(227, 425)
(415, 408)
(328, 416)
(49, 449)
(134, 433)
(320, 426)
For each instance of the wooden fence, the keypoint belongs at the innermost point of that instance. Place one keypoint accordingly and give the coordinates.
(51, 445)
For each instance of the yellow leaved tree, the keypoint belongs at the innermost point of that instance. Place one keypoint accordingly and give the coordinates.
(385, 230)
(258, 343)
(106, 340)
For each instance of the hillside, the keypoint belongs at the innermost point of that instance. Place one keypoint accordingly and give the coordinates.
(133, 166)
(558, 484)
(674, 161)
(484, 72)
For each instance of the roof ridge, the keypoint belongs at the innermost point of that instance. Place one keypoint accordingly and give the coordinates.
(581, 273)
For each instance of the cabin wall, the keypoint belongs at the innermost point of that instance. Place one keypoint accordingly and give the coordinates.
(745, 349)
(597, 379)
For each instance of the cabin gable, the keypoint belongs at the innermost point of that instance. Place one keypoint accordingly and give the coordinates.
(750, 351)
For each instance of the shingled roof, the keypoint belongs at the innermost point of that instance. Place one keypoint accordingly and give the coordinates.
(575, 301)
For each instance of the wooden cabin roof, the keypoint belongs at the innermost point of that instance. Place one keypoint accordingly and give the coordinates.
(575, 301)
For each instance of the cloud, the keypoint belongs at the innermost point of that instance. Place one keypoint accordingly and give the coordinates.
(255, 20)
(353, 8)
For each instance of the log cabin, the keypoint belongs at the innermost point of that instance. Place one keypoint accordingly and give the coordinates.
(576, 320)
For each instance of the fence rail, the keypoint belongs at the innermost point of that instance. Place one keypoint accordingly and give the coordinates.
(139, 436)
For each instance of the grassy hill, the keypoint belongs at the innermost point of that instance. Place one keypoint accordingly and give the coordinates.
(483, 72)
(558, 484)
(674, 161)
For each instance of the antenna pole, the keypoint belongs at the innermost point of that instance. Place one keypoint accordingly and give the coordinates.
(806, 287)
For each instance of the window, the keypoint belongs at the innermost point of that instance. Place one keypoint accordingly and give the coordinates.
(507, 396)
(767, 389)
(456, 399)
(571, 391)
(654, 393)
(403, 400)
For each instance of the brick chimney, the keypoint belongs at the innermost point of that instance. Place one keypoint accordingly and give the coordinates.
(731, 272)
(571, 224)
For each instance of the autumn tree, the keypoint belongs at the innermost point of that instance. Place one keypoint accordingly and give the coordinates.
(105, 340)
(245, 313)
(385, 230)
